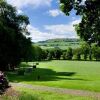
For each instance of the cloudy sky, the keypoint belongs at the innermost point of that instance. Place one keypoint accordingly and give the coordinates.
(46, 20)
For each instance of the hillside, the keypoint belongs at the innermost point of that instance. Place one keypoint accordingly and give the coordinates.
(62, 43)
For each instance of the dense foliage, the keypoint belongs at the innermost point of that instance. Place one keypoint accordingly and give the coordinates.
(89, 10)
(79, 53)
(14, 46)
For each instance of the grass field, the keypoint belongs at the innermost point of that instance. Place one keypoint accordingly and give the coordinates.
(82, 75)
(28, 94)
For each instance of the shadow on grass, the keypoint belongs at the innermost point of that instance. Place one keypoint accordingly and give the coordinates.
(25, 65)
(42, 74)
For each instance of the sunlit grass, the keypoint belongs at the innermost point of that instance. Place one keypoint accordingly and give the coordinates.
(83, 75)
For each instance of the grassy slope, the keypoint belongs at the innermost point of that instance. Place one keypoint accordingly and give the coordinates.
(65, 74)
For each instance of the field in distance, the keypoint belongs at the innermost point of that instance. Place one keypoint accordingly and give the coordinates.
(62, 43)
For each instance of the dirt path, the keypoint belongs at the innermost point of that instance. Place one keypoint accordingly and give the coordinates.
(59, 90)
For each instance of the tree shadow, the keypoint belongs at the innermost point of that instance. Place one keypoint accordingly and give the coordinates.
(42, 74)
(66, 73)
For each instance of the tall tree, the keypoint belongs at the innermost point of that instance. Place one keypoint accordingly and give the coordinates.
(13, 43)
(89, 10)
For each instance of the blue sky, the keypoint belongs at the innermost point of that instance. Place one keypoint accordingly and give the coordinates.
(46, 19)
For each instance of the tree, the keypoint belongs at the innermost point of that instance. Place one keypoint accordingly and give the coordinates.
(89, 27)
(37, 53)
(44, 54)
(96, 52)
(77, 53)
(64, 55)
(57, 53)
(85, 50)
(27, 50)
(69, 54)
(49, 56)
(14, 45)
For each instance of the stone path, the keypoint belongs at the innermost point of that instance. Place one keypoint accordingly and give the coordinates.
(59, 90)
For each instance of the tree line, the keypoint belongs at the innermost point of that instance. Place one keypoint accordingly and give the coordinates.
(84, 52)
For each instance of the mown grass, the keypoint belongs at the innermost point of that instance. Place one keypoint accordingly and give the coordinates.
(82, 75)
(28, 94)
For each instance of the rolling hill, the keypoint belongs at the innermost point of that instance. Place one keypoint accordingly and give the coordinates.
(62, 43)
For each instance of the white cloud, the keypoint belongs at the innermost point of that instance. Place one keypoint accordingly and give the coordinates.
(54, 31)
(62, 28)
(55, 12)
(37, 35)
(35, 3)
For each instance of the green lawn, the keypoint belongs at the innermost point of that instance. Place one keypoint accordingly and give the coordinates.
(28, 94)
(65, 74)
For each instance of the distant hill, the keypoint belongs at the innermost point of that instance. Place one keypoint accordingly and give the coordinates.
(60, 40)
(62, 43)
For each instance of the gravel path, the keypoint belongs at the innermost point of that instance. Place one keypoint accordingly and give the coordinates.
(59, 90)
